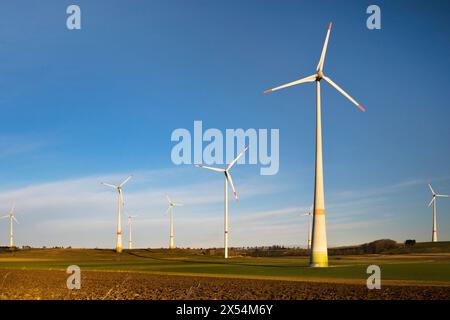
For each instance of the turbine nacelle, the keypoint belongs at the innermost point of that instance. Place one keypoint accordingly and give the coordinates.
(11, 214)
(118, 187)
(226, 171)
(309, 211)
(434, 195)
(130, 218)
(318, 76)
(172, 204)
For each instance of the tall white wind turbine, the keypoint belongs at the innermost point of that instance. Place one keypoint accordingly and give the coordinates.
(129, 225)
(171, 204)
(120, 205)
(12, 219)
(309, 214)
(319, 252)
(433, 201)
(228, 179)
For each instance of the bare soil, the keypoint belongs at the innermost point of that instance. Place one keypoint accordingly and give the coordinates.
(51, 284)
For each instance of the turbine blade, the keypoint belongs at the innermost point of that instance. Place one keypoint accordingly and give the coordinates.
(125, 181)
(15, 220)
(168, 209)
(4, 217)
(324, 50)
(432, 191)
(13, 207)
(443, 195)
(177, 204)
(230, 180)
(311, 78)
(345, 94)
(168, 199)
(237, 158)
(109, 185)
(431, 201)
(209, 168)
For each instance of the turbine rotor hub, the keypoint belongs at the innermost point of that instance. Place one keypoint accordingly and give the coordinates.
(319, 76)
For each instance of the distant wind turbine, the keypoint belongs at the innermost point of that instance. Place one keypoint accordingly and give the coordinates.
(171, 204)
(319, 252)
(433, 201)
(120, 205)
(309, 214)
(129, 224)
(228, 178)
(11, 217)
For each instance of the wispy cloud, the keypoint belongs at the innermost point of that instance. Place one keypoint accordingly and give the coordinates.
(13, 145)
(388, 189)
(62, 212)
(82, 212)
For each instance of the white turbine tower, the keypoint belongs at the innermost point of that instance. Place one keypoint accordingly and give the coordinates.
(319, 252)
(433, 201)
(228, 178)
(120, 205)
(309, 214)
(129, 225)
(171, 204)
(12, 219)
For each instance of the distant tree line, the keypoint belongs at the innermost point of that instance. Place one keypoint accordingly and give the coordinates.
(374, 247)
(378, 246)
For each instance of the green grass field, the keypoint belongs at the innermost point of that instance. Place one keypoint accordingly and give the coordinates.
(427, 268)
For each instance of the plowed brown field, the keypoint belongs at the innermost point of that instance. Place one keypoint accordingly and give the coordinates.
(51, 284)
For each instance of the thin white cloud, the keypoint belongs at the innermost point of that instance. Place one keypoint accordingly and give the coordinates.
(82, 212)
(64, 212)
(13, 145)
(387, 189)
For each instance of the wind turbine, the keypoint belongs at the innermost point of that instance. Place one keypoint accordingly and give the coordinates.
(228, 178)
(171, 204)
(433, 201)
(129, 223)
(319, 252)
(120, 205)
(11, 217)
(309, 214)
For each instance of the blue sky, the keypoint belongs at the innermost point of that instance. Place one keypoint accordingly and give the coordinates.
(82, 106)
